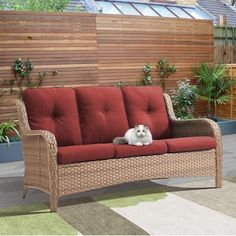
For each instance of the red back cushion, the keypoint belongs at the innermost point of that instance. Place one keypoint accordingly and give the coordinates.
(102, 114)
(55, 110)
(145, 105)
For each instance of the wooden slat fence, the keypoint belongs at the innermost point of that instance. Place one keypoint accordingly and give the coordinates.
(228, 111)
(225, 45)
(89, 49)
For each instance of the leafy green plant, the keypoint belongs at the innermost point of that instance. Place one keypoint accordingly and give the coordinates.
(78, 7)
(183, 99)
(147, 78)
(119, 84)
(22, 70)
(124, 84)
(213, 85)
(34, 5)
(164, 70)
(5, 129)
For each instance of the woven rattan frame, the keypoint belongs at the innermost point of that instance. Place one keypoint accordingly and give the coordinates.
(43, 172)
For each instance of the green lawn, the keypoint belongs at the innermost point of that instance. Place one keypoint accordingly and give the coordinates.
(33, 219)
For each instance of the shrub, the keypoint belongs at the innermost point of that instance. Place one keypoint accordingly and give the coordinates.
(213, 85)
(183, 99)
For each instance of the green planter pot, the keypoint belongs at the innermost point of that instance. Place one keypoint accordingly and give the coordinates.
(14, 153)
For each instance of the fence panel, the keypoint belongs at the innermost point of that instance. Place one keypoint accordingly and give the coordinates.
(228, 111)
(224, 45)
(89, 49)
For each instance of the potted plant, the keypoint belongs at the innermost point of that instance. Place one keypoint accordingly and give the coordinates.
(213, 86)
(10, 147)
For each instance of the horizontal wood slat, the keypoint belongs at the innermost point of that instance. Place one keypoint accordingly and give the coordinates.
(228, 111)
(126, 43)
(89, 49)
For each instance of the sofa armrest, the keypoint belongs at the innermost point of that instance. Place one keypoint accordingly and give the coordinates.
(197, 127)
(191, 127)
(40, 150)
(194, 127)
(40, 154)
(36, 137)
(40, 138)
(202, 127)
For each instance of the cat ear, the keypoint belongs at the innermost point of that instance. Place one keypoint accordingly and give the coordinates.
(146, 127)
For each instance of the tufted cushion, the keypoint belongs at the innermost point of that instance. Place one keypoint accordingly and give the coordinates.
(157, 147)
(89, 152)
(190, 144)
(145, 105)
(102, 114)
(55, 110)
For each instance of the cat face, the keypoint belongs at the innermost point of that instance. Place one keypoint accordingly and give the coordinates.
(141, 131)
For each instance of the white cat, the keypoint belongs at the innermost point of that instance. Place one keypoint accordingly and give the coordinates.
(139, 135)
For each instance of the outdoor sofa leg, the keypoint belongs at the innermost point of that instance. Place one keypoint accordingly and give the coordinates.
(53, 202)
(218, 177)
(218, 180)
(219, 173)
(25, 190)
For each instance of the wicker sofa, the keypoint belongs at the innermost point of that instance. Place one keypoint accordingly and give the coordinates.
(67, 138)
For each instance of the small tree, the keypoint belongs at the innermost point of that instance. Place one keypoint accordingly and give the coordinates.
(164, 70)
(183, 99)
(213, 85)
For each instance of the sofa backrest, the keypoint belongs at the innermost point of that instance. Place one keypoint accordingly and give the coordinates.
(86, 115)
(102, 114)
(55, 110)
(145, 105)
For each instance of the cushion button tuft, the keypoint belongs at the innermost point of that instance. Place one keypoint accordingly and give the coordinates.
(54, 116)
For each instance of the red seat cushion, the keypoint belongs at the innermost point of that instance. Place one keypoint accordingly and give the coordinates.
(125, 150)
(55, 110)
(89, 152)
(145, 105)
(102, 114)
(190, 144)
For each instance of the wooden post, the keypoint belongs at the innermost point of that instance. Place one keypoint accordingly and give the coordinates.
(232, 91)
(233, 36)
(223, 24)
(223, 20)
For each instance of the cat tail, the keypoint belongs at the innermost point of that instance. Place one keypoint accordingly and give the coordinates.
(120, 140)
